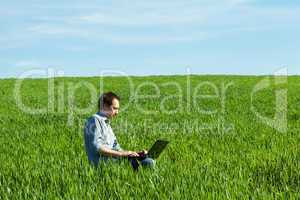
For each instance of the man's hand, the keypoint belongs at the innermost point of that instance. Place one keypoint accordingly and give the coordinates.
(130, 154)
(109, 152)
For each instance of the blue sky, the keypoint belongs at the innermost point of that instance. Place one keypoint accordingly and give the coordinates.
(83, 38)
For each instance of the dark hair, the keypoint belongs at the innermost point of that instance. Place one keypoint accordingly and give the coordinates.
(106, 99)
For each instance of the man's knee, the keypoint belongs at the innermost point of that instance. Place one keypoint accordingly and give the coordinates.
(148, 162)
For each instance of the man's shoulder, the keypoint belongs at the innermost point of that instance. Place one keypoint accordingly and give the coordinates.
(91, 125)
(95, 117)
(99, 118)
(91, 121)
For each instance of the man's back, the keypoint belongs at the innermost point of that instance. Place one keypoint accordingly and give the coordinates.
(97, 133)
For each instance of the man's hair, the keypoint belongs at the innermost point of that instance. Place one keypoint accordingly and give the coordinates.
(106, 99)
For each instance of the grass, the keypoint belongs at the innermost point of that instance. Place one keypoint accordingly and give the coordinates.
(226, 154)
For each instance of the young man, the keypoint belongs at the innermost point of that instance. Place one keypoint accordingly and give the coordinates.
(101, 143)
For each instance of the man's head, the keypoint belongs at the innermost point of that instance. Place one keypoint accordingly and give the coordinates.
(109, 104)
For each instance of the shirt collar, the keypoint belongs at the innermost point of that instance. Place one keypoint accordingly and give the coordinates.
(104, 116)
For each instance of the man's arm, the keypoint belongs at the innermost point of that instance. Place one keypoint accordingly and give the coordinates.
(104, 150)
(112, 153)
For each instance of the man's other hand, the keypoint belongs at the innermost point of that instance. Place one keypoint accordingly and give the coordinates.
(143, 153)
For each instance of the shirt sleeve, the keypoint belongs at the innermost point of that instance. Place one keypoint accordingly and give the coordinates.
(99, 135)
(117, 146)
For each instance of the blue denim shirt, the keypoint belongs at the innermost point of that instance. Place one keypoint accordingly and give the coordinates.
(97, 133)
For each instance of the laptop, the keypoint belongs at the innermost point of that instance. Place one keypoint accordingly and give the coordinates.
(157, 148)
(153, 153)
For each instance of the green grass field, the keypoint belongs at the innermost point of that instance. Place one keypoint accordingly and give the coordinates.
(219, 147)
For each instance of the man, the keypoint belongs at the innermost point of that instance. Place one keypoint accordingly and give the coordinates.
(100, 141)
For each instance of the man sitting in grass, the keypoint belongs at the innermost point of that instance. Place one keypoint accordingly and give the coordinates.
(100, 141)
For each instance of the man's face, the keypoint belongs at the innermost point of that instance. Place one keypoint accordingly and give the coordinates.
(113, 110)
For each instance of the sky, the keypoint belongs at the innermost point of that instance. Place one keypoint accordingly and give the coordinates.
(136, 37)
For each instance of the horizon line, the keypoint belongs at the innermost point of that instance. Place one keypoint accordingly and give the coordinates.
(148, 75)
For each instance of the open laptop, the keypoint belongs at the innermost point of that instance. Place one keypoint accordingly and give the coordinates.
(153, 153)
(157, 148)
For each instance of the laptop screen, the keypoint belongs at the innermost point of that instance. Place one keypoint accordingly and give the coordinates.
(157, 148)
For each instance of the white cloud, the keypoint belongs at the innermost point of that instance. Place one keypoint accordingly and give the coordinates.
(155, 39)
(144, 13)
(154, 22)
(116, 37)
(48, 29)
(27, 63)
(146, 18)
